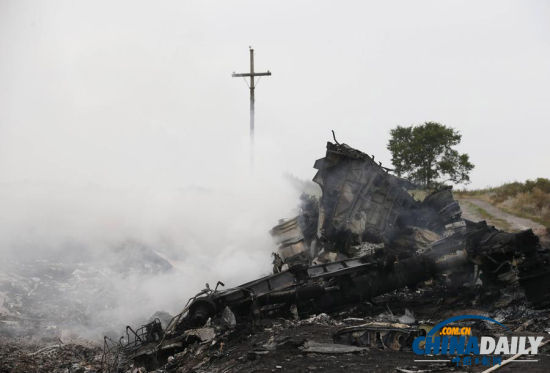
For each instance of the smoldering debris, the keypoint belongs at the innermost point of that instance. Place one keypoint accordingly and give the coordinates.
(361, 270)
(49, 297)
(27, 356)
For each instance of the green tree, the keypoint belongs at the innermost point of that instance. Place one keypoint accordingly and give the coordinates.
(425, 154)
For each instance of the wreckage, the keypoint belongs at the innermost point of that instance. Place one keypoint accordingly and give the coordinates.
(364, 236)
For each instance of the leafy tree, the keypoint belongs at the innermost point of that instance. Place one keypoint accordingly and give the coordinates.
(425, 154)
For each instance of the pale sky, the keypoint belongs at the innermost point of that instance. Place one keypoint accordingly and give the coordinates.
(125, 92)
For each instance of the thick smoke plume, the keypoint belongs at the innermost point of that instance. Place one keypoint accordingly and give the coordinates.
(89, 259)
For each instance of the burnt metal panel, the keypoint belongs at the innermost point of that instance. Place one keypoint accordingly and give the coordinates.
(360, 200)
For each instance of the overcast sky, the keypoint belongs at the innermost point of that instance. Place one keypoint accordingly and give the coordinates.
(125, 92)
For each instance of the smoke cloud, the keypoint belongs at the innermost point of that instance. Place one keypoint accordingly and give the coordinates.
(88, 258)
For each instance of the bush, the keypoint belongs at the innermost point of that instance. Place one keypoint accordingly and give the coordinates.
(511, 190)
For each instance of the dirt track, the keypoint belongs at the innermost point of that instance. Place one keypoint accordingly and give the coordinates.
(476, 209)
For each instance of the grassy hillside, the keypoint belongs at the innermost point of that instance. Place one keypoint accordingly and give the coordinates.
(530, 199)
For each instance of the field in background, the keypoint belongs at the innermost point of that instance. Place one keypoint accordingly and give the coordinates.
(530, 200)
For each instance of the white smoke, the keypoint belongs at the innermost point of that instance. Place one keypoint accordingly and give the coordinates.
(94, 258)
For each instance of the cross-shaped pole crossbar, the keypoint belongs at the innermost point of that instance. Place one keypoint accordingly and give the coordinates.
(251, 75)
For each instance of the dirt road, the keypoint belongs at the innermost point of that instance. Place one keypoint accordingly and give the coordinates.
(476, 209)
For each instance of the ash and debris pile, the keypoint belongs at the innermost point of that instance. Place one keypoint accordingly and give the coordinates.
(52, 295)
(24, 356)
(362, 270)
(51, 305)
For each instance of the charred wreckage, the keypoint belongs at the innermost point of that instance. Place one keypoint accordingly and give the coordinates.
(364, 236)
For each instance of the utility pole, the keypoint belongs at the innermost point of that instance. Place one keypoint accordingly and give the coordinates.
(252, 87)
